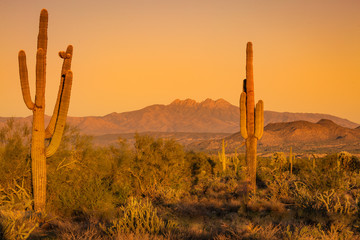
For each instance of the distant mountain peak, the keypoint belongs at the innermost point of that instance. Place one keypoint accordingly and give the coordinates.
(220, 103)
(112, 114)
(176, 102)
(186, 102)
(207, 103)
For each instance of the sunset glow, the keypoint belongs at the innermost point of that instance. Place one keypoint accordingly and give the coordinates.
(131, 54)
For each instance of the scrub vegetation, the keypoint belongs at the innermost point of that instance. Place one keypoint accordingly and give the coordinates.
(155, 189)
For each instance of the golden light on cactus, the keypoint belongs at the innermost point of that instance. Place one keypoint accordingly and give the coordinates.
(251, 118)
(291, 160)
(54, 131)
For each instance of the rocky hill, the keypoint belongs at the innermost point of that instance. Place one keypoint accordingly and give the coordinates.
(303, 136)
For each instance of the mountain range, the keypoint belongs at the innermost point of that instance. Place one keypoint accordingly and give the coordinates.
(194, 123)
(187, 115)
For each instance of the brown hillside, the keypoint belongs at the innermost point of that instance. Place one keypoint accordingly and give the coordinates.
(302, 135)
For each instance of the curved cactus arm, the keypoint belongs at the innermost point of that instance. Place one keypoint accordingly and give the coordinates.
(25, 88)
(259, 119)
(243, 130)
(61, 119)
(67, 56)
(40, 79)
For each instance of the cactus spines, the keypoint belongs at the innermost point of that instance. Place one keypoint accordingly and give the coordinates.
(251, 117)
(39, 152)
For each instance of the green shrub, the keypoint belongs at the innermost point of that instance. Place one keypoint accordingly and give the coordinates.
(78, 179)
(158, 162)
(14, 155)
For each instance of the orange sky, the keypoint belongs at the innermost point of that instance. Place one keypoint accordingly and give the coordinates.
(130, 54)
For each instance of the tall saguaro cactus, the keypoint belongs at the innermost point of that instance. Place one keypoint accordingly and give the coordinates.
(54, 131)
(251, 117)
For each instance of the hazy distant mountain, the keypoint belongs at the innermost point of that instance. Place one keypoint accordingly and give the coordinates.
(301, 135)
(187, 115)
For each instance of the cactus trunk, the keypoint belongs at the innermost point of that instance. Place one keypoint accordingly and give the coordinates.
(291, 160)
(251, 144)
(38, 159)
(39, 152)
(251, 118)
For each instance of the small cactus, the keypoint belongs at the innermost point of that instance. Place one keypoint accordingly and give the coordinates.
(291, 160)
(251, 117)
(314, 162)
(222, 156)
(54, 131)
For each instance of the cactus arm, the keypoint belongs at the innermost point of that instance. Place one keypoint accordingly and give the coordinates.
(61, 119)
(42, 36)
(24, 80)
(250, 105)
(262, 118)
(67, 56)
(259, 119)
(243, 130)
(40, 79)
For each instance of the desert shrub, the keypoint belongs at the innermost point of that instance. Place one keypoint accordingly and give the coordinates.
(138, 216)
(159, 164)
(15, 185)
(303, 196)
(279, 161)
(121, 154)
(15, 221)
(347, 162)
(281, 186)
(16, 224)
(79, 177)
(255, 231)
(318, 231)
(14, 154)
(325, 176)
(201, 169)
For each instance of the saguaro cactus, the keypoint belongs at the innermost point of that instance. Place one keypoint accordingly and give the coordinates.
(222, 156)
(291, 160)
(54, 131)
(251, 117)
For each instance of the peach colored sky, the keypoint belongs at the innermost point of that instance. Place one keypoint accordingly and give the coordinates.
(131, 54)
